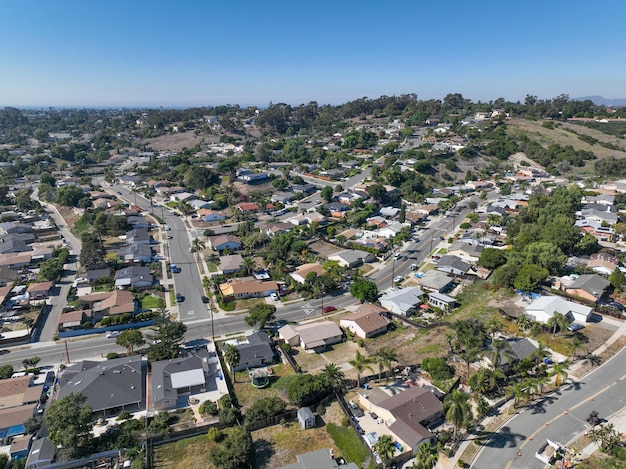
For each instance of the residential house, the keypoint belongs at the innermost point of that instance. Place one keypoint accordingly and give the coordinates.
(42, 453)
(135, 276)
(591, 287)
(349, 197)
(603, 263)
(370, 321)
(257, 351)
(319, 459)
(73, 320)
(250, 177)
(11, 227)
(174, 380)
(274, 229)
(315, 217)
(403, 301)
(13, 246)
(199, 204)
(602, 233)
(131, 181)
(469, 252)
(435, 281)
(316, 337)
(138, 236)
(15, 261)
(391, 231)
(289, 334)
(521, 349)
(407, 414)
(543, 308)
(441, 301)
(352, 258)
(242, 288)
(230, 264)
(40, 291)
(226, 241)
(19, 392)
(283, 197)
(337, 209)
(608, 217)
(303, 188)
(20, 445)
(110, 386)
(453, 265)
(301, 272)
(110, 303)
(248, 207)
(603, 199)
(94, 275)
(138, 222)
(135, 253)
(389, 212)
(207, 215)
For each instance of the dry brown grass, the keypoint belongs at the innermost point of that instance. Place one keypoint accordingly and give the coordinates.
(248, 395)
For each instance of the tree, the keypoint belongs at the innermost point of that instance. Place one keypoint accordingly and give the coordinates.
(6, 371)
(492, 258)
(280, 184)
(529, 277)
(364, 290)
(232, 357)
(487, 380)
(184, 208)
(384, 358)
(559, 372)
(469, 356)
(518, 390)
(51, 270)
(457, 409)
(327, 194)
(197, 245)
(166, 338)
(617, 279)
(402, 214)
(31, 362)
(264, 408)
(234, 451)
(500, 349)
(607, 437)
(427, 456)
(260, 314)
(384, 448)
(361, 363)
(557, 322)
(69, 421)
(130, 339)
(69, 195)
(249, 264)
(335, 376)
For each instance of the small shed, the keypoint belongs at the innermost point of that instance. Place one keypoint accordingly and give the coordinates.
(306, 418)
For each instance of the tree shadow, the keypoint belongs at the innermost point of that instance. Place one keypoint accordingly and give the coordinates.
(263, 452)
(539, 406)
(502, 439)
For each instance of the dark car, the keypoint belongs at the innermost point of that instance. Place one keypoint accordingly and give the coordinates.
(179, 298)
(204, 299)
(328, 309)
(373, 415)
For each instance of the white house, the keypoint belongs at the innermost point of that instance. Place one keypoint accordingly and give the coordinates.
(366, 323)
(543, 308)
(402, 301)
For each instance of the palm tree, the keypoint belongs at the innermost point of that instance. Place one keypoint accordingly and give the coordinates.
(384, 358)
(197, 245)
(249, 264)
(500, 349)
(469, 356)
(518, 391)
(557, 322)
(559, 371)
(361, 363)
(232, 357)
(457, 409)
(130, 339)
(335, 376)
(184, 208)
(494, 326)
(385, 448)
(427, 456)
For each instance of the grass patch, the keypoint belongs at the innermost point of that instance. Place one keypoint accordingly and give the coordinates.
(172, 296)
(249, 303)
(152, 302)
(157, 218)
(247, 395)
(81, 225)
(365, 269)
(228, 306)
(212, 266)
(188, 453)
(110, 256)
(348, 443)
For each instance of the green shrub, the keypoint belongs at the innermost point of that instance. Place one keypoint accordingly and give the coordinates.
(208, 408)
(437, 368)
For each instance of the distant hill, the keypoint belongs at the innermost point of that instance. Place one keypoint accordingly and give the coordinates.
(601, 101)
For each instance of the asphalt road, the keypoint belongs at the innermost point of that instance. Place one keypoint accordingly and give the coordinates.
(560, 417)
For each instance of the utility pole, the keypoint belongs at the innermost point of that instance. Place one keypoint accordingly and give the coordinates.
(67, 354)
(393, 270)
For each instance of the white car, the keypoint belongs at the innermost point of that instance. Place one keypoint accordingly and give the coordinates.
(167, 228)
(398, 279)
(113, 334)
(274, 297)
(575, 326)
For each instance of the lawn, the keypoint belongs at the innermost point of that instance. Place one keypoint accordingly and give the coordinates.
(152, 302)
(348, 444)
(212, 266)
(247, 395)
(249, 303)
(172, 296)
(189, 453)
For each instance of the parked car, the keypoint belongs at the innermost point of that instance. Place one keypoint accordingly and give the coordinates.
(179, 298)
(328, 309)
(373, 415)
(204, 299)
(575, 326)
(413, 267)
(398, 279)
(112, 334)
(274, 297)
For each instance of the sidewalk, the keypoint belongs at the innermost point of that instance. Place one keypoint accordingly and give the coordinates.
(620, 417)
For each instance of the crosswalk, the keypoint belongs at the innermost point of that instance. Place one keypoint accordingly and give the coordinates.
(308, 310)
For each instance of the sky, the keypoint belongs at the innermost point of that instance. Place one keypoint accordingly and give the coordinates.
(151, 53)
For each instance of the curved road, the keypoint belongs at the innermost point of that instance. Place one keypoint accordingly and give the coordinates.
(559, 417)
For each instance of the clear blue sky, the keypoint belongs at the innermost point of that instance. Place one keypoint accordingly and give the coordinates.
(203, 52)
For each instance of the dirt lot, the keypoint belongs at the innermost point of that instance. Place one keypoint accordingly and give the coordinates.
(339, 354)
(324, 249)
(176, 142)
(277, 446)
